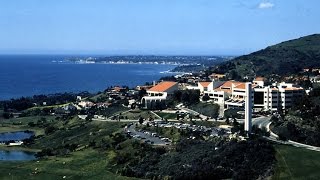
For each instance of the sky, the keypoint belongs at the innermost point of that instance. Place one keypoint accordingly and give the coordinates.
(158, 27)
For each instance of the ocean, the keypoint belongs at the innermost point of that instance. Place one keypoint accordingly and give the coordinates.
(28, 75)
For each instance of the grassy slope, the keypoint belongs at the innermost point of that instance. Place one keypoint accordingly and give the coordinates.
(296, 163)
(75, 133)
(21, 124)
(87, 164)
(137, 114)
(84, 164)
(167, 115)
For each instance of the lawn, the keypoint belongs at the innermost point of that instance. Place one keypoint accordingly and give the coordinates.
(80, 133)
(296, 163)
(135, 114)
(167, 115)
(86, 164)
(207, 109)
(21, 124)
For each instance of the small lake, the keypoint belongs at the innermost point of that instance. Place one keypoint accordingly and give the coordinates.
(16, 155)
(15, 136)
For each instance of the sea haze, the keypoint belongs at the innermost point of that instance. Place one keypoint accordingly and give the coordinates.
(27, 75)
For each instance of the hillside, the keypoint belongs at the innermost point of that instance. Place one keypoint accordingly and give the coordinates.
(286, 58)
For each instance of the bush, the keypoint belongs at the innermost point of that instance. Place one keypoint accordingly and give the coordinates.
(50, 129)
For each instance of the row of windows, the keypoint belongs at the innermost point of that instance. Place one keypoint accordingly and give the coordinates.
(214, 95)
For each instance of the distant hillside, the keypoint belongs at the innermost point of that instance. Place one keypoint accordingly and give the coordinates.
(285, 58)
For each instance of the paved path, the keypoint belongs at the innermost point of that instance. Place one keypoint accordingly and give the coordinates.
(265, 122)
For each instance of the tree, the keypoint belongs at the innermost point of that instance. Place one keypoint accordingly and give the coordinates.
(177, 95)
(50, 129)
(215, 111)
(190, 96)
(142, 92)
(89, 117)
(140, 120)
(7, 115)
(205, 98)
(194, 96)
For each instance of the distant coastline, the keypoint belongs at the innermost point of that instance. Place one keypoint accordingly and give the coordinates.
(23, 76)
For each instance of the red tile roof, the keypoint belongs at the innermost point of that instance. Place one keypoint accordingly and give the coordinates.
(228, 85)
(241, 86)
(293, 88)
(204, 84)
(163, 86)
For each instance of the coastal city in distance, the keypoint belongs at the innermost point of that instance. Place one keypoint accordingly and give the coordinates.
(165, 90)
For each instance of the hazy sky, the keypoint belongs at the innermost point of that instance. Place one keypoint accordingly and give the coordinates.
(183, 27)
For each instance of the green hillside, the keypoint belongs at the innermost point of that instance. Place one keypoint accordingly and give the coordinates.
(288, 57)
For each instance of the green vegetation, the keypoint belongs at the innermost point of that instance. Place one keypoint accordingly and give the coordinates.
(299, 53)
(76, 132)
(87, 164)
(107, 112)
(296, 163)
(136, 114)
(302, 122)
(193, 159)
(207, 109)
(100, 97)
(208, 123)
(172, 133)
(24, 103)
(167, 115)
(23, 123)
(187, 96)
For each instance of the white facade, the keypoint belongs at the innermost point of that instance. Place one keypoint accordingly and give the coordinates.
(218, 97)
(232, 94)
(158, 94)
(288, 93)
(281, 96)
(150, 102)
(248, 108)
(205, 86)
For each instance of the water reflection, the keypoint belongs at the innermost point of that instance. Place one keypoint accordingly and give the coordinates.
(16, 155)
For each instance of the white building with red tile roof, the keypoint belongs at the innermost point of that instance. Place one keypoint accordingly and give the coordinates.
(158, 94)
(205, 86)
(259, 81)
(167, 87)
(231, 94)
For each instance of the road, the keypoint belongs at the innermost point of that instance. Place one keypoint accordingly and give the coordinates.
(265, 122)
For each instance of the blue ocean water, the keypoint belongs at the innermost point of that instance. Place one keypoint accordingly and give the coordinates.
(27, 75)
(15, 136)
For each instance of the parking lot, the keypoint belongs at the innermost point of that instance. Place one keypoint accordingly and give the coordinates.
(155, 139)
(147, 137)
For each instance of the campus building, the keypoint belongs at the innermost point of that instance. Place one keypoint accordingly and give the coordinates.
(158, 94)
(231, 94)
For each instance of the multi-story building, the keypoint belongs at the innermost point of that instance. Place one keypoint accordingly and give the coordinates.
(231, 94)
(158, 94)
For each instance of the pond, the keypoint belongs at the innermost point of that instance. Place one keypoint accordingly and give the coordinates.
(15, 136)
(16, 155)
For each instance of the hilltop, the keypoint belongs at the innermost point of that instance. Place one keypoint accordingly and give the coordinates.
(286, 58)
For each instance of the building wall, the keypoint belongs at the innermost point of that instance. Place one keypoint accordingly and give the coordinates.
(276, 97)
(217, 96)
